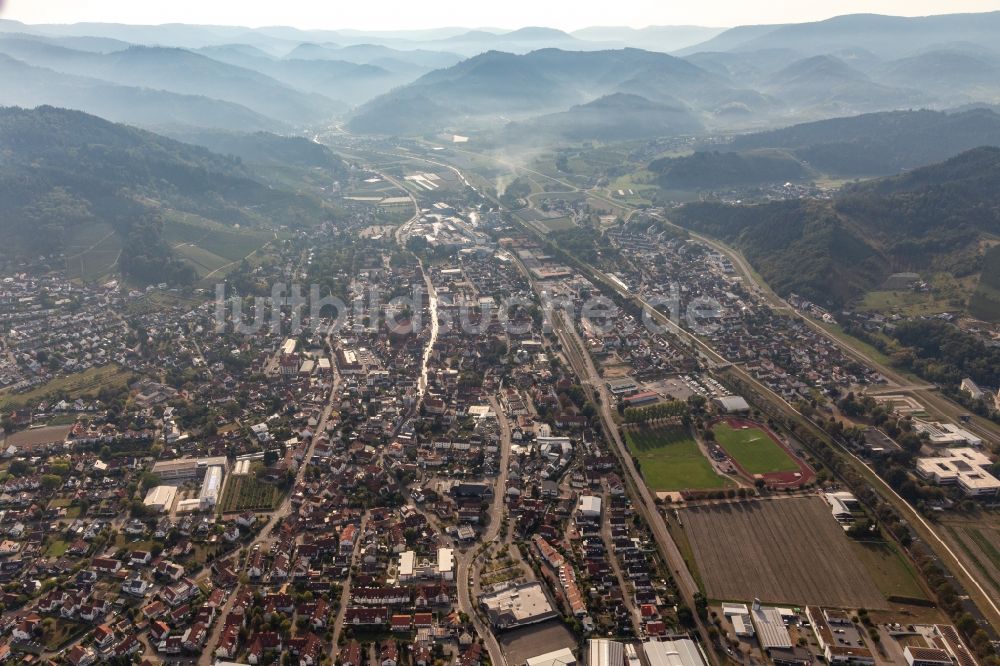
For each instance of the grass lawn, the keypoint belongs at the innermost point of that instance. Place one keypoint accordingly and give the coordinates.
(670, 460)
(892, 574)
(61, 632)
(57, 548)
(753, 449)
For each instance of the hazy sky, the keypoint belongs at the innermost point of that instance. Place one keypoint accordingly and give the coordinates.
(402, 14)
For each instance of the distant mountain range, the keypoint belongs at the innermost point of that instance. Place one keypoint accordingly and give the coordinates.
(421, 82)
(614, 117)
(502, 86)
(888, 37)
(930, 219)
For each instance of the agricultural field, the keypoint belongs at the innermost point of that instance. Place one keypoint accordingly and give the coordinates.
(753, 449)
(557, 223)
(894, 575)
(92, 251)
(670, 460)
(788, 550)
(209, 246)
(978, 543)
(245, 493)
(947, 293)
(86, 384)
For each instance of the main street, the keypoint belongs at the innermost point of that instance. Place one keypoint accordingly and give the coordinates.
(266, 537)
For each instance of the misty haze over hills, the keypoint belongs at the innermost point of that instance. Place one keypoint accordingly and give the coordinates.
(859, 95)
(468, 81)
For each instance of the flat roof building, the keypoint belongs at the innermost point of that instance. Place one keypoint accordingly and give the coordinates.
(946, 434)
(517, 606)
(622, 386)
(964, 467)
(589, 507)
(186, 468)
(739, 617)
(407, 563)
(160, 498)
(446, 563)
(838, 637)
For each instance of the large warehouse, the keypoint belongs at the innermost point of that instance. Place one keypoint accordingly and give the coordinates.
(605, 652)
(160, 498)
(211, 488)
(770, 626)
(678, 652)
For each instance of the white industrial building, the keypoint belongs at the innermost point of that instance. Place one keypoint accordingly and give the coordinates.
(160, 498)
(605, 652)
(517, 606)
(964, 467)
(739, 617)
(186, 468)
(946, 434)
(770, 627)
(446, 563)
(971, 388)
(561, 657)
(407, 563)
(732, 404)
(589, 507)
(677, 652)
(842, 506)
(211, 488)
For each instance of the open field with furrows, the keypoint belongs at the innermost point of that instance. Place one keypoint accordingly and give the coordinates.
(246, 493)
(978, 543)
(670, 460)
(753, 449)
(788, 550)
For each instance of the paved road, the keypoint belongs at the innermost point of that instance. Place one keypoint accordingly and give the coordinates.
(466, 563)
(345, 591)
(616, 567)
(265, 537)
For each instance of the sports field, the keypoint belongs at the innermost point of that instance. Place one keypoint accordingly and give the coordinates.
(670, 460)
(753, 449)
(788, 550)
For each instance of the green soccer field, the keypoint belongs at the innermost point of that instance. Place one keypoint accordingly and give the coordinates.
(753, 449)
(670, 460)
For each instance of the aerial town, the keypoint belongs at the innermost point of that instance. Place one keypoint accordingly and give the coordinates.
(469, 471)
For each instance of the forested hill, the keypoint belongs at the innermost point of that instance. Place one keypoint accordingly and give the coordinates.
(63, 170)
(880, 143)
(712, 170)
(833, 251)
